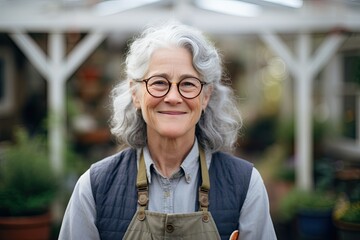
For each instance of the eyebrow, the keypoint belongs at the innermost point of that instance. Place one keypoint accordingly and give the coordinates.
(167, 76)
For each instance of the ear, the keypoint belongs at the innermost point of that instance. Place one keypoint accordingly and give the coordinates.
(206, 97)
(134, 96)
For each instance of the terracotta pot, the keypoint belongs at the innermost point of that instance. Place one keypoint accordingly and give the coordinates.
(26, 228)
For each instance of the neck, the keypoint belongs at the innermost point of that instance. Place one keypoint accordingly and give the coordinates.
(168, 154)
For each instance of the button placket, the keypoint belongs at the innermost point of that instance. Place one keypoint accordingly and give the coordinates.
(167, 195)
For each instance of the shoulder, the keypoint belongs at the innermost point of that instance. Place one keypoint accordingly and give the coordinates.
(256, 178)
(222, 158)
(236, 170)
(110, 166)
(113, 160)
(231, 169)
(229, 179)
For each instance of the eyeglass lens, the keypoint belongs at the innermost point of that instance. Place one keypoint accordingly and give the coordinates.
(159, 86)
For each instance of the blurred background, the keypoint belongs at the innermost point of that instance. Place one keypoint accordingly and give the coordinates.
(294, 65)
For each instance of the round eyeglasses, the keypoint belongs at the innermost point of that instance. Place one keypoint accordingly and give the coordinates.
(159, 86)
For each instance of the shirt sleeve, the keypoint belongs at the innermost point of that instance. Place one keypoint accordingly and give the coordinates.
(80, 214)
(255, 220)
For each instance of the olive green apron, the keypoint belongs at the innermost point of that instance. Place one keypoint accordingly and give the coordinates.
(160, 226)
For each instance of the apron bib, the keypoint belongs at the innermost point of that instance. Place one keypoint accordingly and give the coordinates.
(147, 225)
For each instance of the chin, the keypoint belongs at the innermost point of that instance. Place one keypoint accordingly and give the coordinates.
(173, 134)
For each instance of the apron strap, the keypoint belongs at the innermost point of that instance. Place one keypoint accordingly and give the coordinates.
(143, 189)
(205, 185)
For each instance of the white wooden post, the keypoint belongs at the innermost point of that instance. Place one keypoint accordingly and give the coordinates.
(56, 69)
(56, 99)
(303, 115)
(303, 69)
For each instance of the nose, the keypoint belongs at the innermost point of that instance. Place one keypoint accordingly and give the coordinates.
(173, 95)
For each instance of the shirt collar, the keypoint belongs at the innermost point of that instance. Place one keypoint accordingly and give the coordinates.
(189, 165)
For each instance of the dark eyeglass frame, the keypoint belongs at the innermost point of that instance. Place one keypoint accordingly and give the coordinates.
(170, 84)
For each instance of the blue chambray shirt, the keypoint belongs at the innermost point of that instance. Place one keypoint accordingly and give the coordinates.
(176, 194)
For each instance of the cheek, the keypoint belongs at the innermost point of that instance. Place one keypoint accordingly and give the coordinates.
(196, 107)
(148, 105)
(149, 102)
(144, 99)
(201, 103)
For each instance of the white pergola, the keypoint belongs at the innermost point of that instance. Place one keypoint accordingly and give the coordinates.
(19, 18)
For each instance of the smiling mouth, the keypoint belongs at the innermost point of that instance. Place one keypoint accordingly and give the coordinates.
(172, 112)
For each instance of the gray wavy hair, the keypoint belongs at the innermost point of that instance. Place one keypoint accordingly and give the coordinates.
(218, 126)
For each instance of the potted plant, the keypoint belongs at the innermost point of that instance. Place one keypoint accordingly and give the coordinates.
(27, 189)
(347, 219)
(312, 211)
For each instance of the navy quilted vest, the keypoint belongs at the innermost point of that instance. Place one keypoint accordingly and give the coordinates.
(113, 182)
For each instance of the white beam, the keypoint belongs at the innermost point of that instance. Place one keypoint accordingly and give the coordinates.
(325, 51)
(32, 51)
(82, 51)
(304, 69)
(43, 18)
(56, 70)
(303, 117)
(280, 48)
(51, 70)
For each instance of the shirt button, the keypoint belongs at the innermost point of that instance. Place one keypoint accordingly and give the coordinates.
(169, 228)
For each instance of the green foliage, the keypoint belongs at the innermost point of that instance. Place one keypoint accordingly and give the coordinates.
(303, 201)
(286, 130)
(352, 214)
(285, 173)
(27, 183)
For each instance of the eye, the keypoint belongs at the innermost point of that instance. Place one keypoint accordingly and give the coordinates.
(190, 83)
(158, 82)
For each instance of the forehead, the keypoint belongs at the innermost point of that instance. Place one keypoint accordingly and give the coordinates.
(171, 60)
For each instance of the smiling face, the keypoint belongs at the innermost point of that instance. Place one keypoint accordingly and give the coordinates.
(171, 116)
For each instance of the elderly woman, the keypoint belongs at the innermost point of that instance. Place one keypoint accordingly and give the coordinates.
(174, 179)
